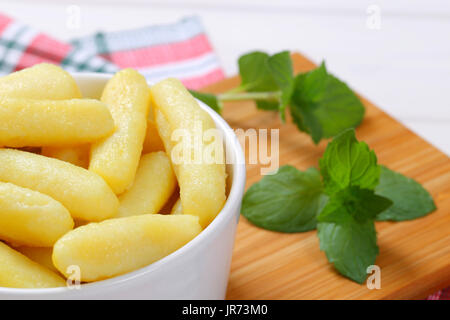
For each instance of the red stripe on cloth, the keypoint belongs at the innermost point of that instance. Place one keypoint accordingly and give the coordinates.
(161, 54)
(4, 22)
(443, 294)
(434, 296)
(43, 49)
(203, 80)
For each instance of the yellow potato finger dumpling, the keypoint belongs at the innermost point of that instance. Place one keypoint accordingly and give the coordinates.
(50, 82)
(78, 155)
(41, 255)
(154, 184)
(117, 246)
(83, 193)
(152, 141)
(116, 158)
(17, 271)
(31, 218)
(177, 208)
(30, 122)
(42, 81)
(202, 184)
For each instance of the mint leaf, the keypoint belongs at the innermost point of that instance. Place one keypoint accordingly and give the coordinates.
(351, 247)
(353, 203)
(280, 66)
(255, 73)
(257, 77)
(347, 162)
(411, 200)
(267, 105)
(323, 106)
(209, 99)
(287, 201)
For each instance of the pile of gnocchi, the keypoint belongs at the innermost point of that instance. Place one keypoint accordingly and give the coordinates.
(91, 184)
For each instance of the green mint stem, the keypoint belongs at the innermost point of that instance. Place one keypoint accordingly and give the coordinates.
(238, 89)
(275, 95)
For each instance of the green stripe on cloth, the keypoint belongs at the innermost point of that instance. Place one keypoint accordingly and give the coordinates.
(89, 64)
(100, 42)
(12, 45)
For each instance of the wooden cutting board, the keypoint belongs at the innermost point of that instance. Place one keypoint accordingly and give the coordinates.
(414, 255)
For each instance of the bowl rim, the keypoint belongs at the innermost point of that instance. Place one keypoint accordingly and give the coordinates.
(235, 197)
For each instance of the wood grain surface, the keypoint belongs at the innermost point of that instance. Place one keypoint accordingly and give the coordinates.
(414, 255)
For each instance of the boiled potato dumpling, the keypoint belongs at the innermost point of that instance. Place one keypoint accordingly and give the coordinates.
(202, 184)
(77, 155)
(32, 122)
(47, 81)
(31, 218)
(152, 187)
(116, 158)
(177, 208)
(42, 81)
(117, 246)
(41, 255)
(18, 271)
(152, 141)
(83, 193)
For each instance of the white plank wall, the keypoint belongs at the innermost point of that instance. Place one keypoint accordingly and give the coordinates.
(396, 53)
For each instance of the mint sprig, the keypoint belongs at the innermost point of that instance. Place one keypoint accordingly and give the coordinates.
(319, 103)
(351, 192)
(287, 201)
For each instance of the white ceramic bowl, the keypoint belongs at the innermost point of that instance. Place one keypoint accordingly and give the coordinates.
(199, 270)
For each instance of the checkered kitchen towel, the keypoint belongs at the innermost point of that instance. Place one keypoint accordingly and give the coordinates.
(180, 50)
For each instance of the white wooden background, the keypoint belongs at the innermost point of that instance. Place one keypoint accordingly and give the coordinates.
(402, 64)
